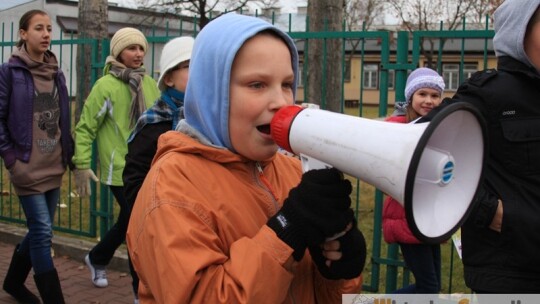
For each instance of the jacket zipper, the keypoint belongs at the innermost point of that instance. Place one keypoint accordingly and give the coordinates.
(264, 180)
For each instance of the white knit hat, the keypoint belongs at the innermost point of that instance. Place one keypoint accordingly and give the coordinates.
(423, 78)
(125, 37)
(174, 52)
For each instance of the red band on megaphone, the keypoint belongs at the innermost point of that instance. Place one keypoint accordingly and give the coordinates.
(281, 125)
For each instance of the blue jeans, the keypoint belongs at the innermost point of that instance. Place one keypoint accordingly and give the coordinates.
(39, 211)
(424, 261)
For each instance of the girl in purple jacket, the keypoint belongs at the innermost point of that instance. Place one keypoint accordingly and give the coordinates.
(36, 147)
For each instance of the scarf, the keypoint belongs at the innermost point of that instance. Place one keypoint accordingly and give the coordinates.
(169, 107)
(400, 108)
(133, 77)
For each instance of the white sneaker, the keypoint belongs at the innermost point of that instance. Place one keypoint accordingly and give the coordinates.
(98, 273)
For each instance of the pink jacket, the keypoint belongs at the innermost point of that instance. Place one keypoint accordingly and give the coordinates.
(394, 224)
(198, 233)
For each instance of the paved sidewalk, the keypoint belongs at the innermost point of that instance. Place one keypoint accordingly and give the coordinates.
(74, 275)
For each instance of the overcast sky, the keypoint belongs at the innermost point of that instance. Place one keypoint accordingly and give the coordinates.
(288, 6)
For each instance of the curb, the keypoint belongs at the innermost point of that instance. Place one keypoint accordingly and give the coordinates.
(76, 249)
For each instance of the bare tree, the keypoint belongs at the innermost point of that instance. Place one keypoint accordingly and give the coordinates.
(482, 8)
(362, 14)
(92, 24)
(325, 15)
(205, 10)
(424, 15)
(267, 4)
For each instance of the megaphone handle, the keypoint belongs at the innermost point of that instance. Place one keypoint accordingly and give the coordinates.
(336, 236)
(339, 234)
(310, 163)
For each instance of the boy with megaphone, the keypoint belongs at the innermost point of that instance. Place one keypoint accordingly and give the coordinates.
(222, 216)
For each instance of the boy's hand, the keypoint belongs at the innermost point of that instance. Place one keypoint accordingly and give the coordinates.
(342, 258)
(319, 207)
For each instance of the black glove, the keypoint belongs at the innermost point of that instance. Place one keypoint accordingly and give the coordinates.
(317, 208)
(353, 249)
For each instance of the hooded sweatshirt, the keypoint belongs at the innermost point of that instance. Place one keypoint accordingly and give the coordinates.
(198, 232)
(44, 169)
(511, 19)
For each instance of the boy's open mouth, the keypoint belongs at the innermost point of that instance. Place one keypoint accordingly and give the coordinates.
(264, 128)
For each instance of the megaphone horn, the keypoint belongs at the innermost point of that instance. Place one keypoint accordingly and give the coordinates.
(433, 169)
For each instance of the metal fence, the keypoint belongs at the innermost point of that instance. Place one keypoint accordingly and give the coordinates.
(376, 64)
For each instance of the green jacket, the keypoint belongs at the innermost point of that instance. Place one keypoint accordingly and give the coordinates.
(105, 118)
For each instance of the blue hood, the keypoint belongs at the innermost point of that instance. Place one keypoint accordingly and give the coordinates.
(206, 102)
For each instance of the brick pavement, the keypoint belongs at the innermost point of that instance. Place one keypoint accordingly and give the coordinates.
(73, 273)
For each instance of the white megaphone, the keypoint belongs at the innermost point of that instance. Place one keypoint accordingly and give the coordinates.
(433, 169)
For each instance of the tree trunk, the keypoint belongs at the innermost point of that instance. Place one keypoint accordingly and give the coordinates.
(92, 24)
(324, 68)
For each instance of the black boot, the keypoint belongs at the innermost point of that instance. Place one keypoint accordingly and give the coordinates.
(16, 276)
(49, 287)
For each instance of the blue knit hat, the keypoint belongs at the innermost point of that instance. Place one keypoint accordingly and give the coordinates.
(423, 78)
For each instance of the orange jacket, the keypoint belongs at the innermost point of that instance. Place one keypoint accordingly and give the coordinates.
(198, 233)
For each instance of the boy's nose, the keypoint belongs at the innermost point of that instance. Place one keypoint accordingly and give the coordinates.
(280, 99)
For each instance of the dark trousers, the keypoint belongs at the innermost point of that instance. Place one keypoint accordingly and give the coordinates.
(103, 252)
(424, 261)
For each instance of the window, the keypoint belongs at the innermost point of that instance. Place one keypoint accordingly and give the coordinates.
(300, 80)
(371, 76)
(391, 79)
(451, 74)
(347, 70)
(469, 69)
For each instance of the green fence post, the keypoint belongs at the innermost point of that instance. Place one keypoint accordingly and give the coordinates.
(401, 76)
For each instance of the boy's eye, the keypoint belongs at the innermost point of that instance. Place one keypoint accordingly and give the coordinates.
(288, 85)
(256, 85)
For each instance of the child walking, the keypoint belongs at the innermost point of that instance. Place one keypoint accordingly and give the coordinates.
(109, 115)
(163, 116)
(36, 146)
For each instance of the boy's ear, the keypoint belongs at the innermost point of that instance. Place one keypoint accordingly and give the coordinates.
(167, 80)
